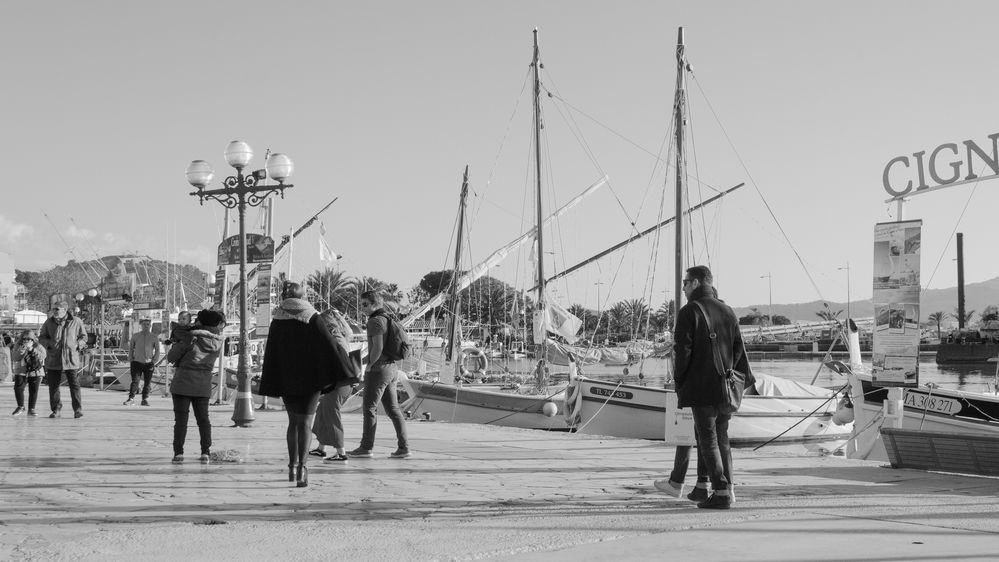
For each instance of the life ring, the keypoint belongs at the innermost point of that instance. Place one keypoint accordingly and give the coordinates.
(474, 361)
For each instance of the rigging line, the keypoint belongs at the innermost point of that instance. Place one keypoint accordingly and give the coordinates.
(506, 133)
(752, 180)
(69, 248)
(951, 237)
(92, 248)
(693, 152)
(574, 127)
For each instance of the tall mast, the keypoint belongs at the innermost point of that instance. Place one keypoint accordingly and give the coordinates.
(454, 325)
(678, 126)
(541, 345)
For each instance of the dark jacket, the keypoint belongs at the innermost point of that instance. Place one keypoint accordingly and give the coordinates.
(195, 356)
(63, 342)
(698, 382)
(301, 356)
(18, 355)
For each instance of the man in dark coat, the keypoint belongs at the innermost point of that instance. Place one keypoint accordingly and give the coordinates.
(699, 384)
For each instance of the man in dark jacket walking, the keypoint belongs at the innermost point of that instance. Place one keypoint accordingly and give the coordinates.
(63, 336)
(699, 384)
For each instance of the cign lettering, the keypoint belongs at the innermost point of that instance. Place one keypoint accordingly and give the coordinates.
(944, 165)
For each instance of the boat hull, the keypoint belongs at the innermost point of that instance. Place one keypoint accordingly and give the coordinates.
(639, 412)
(923, 409)
(467, 404)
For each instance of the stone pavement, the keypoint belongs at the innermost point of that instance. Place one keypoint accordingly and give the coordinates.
(102, 488)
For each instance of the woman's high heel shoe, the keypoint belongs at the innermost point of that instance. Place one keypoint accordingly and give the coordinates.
(291, 473)
(303, 476)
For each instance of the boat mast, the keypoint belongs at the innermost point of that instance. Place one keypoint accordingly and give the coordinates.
(455, 316)
(542, 347)
(678, 125)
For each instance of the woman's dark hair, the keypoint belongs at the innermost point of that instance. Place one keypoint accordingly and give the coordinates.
(292, 290)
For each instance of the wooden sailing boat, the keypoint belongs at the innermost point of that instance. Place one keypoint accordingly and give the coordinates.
(624, 410)
(475, 404)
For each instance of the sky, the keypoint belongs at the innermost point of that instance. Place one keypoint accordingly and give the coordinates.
(382, 104)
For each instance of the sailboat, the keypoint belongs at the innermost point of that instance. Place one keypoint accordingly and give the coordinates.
(775, 409)
(469, 403)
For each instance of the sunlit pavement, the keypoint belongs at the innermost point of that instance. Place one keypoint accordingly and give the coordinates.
(102, 487)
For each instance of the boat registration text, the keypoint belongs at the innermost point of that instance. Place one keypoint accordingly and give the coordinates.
(612, 393)
(932, 403)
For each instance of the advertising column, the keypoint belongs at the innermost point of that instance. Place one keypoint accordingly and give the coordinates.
(896, 304)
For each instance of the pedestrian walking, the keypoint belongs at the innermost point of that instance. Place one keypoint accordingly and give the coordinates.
(706, 326)
(301, 361)
(143, 351)
(328, 425)
(194, 356)
(63, 336)
(379, 381)
(28, 360)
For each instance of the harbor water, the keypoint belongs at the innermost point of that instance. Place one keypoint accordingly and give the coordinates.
(652, 372)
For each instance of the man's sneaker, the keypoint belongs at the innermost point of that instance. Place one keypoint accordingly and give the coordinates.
(205, 458)
(78, 414)
(177, 459)
(18, 411)
(669, 487)
(716, 502)
(698, 495)
(55, 414)
(400, 454)
(32, 412)
(145, 402)
(129, 402)
(359, 453)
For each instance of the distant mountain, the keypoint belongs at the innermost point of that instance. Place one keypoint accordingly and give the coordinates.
(77, 276)
(976, 296)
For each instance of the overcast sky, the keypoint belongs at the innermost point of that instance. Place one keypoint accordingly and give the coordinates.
(382, 104)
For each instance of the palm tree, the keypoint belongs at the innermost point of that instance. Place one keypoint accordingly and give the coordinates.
(331, 287)
(990, 313)
(937, 318)
(829, 315)
(967, 316)
(637, 314)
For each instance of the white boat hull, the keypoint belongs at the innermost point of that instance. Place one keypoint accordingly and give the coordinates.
(639, 412)
(487, 405)
(923, 409)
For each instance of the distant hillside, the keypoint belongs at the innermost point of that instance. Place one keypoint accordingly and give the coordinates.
(976, 295)
(78, 276)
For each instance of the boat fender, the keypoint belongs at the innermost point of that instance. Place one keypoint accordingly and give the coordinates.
(844, 411)
(550, 409)
(475, 361)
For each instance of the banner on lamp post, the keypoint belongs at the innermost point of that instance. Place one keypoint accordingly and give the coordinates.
(220, 289)
(895, 357)
(263, 294)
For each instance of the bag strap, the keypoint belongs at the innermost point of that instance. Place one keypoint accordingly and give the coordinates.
(713, 337)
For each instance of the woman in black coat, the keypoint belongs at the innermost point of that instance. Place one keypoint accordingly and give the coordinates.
(301, 361)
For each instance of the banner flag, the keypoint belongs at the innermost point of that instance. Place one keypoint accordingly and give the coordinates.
(325, 253)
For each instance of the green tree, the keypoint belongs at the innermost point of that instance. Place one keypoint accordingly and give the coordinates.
(331, 287)
(990, 313)
(827, 313)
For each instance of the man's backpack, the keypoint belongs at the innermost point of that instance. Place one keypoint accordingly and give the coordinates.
(396, 345)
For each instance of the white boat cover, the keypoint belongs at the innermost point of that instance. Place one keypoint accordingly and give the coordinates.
(767, 385)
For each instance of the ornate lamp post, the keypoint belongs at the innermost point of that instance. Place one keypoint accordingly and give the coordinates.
(237, 192)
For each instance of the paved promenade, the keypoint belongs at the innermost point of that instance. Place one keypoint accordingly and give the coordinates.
(102, 488)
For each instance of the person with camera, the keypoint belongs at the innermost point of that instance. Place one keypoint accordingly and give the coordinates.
(28, 360)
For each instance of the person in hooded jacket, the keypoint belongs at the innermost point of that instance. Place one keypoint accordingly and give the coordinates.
(301, 361)
(29, 368)
(194, 357)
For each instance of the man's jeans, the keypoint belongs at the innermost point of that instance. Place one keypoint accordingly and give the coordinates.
(53, 378)
(711, 427)
(380, 385)
(144, 370)
(681, 461)
(181, 410)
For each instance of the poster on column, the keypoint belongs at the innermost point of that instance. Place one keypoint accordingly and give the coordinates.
(263, 298)
(895, 359)
(220, 288)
